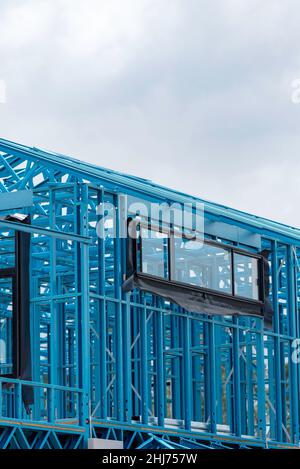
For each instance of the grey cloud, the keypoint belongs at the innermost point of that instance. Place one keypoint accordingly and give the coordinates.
(192, 94)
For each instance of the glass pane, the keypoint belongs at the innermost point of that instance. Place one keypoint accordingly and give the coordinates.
(246, 276)
(7, 249)
(203, 265)
(6, 325)
(154, 253)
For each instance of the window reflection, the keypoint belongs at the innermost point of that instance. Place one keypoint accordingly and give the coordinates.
(246, 276)
(203, 265)
(154, 253)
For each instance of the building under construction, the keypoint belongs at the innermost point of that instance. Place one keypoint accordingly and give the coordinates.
(124, 325)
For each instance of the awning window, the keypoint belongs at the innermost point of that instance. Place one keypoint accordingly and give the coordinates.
(199, 275)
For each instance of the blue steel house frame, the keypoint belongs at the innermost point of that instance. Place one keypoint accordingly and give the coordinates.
(130, 365)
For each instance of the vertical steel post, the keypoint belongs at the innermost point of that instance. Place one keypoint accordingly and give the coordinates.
(53, 362)
(118, 317)
(84, 315)
(236, 377)
(212, 376)
(144, 364)
(102, 308)
(160, 375)
(277, 351)
(176, 389)
(261, 394)
(187, 392)
(126, 314)
(294, 406)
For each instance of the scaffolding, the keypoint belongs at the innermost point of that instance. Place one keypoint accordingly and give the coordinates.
(133, 366)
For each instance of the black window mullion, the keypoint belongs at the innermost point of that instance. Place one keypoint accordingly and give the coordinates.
(171, 256)
(232, 272)
(139, 239)
(261, 280)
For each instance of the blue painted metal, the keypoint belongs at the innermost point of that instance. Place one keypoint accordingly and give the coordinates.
(15, 200)
(133, 366)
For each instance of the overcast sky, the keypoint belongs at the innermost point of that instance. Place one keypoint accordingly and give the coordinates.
(192, 94)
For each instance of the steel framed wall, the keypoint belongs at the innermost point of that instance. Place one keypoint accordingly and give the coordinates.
(132, 366)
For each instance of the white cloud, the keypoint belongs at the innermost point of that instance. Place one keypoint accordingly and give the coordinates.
(2, 92)
(24, 23)
(194, 95)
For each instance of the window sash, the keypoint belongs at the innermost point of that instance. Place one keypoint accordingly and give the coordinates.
(256, 283)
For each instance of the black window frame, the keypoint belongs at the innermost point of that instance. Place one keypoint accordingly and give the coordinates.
(138, 247)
